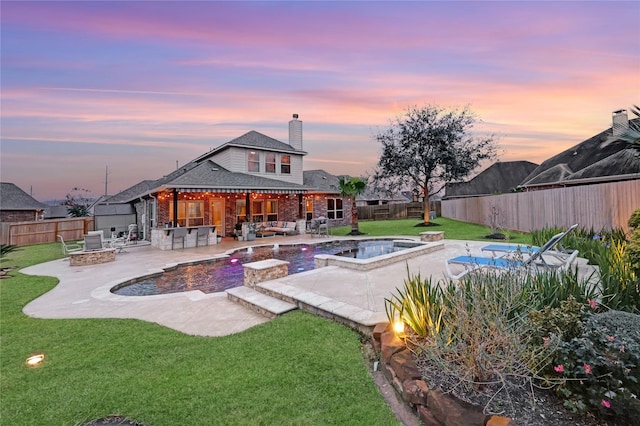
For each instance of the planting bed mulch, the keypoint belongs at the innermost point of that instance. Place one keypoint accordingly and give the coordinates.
(497, 236)
(516, 399)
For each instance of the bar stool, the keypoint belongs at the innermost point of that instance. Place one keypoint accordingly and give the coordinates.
(203, 232)
(179, 234)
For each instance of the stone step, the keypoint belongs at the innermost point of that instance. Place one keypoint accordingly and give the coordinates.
(268, 306)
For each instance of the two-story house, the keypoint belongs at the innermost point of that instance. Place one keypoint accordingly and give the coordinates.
(253, 178)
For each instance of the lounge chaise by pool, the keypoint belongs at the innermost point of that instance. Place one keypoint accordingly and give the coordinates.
(535, 258)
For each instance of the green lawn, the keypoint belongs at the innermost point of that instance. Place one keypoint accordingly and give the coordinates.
(453, 229)
(296, 370)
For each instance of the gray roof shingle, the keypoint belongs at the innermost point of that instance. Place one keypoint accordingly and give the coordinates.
(599, 149)
(501, 177)
(206, 175)
(14, 198)
(321, 181)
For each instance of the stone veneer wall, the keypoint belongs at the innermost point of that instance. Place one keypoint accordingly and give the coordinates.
(83, 258)
(264, 270)
(434, 407)
(430, 236)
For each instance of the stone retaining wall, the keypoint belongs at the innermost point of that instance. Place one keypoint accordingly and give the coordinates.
(434, 407)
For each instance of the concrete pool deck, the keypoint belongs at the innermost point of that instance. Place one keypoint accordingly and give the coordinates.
(83, 291)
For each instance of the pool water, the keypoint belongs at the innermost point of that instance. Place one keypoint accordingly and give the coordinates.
(222, 274)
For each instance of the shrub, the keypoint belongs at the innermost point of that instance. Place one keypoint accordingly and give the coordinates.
(633, 252)
(587, 241)
(564, 321)
(6, 249)
(485, 333)
(619, 285)
(552, 288)
(634, 220)
(419, 305)
(486, 329)
(600, 367)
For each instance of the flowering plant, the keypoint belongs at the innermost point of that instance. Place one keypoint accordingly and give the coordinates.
(599, 369)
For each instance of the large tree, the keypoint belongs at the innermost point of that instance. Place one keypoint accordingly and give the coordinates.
(427, 147)
(78, 202)
(352, 187)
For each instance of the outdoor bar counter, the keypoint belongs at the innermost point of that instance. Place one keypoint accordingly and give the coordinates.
(183, 237)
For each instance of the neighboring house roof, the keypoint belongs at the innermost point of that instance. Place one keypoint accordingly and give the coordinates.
(553, 174)
(500, 177)
(321, 181)
(14, 198)
(622, 162)
(596, 157)
(372, 194)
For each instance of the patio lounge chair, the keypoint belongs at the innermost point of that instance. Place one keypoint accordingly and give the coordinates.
(557, 250)
(121, 243)
(535, 260)
(69, 248)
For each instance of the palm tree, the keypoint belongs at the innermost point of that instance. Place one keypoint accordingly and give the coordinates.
(352, 187)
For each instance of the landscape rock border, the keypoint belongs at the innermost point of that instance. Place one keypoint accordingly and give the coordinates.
(433, 407)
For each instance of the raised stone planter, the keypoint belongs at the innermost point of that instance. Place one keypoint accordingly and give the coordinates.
(264, 270)
(434, 407)
(430, 236)
(83, 258)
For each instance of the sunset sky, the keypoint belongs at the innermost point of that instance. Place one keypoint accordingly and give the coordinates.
(139, 86)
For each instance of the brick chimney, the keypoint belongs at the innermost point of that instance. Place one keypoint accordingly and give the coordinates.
(295, 133)
(620, 122)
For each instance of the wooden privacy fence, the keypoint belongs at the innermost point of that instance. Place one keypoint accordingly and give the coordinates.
(395, 211)
(44, 231)
(599, 206)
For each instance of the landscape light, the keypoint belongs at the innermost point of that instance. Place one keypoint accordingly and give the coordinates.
(398, 328)
(35, 360)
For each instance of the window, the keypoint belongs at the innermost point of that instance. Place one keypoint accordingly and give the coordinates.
(334, 208)
(272, 210)
(270, 162)
(241, 211)
(285, 164)
(309, 208)
(190, 213)
(153, 213)
(257, 211)
(254, 162)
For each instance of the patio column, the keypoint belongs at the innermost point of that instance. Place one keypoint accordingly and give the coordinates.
(247, 203)
(300, 207)
(175, 207)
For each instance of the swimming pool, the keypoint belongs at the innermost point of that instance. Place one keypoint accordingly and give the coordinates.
(220, 274)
